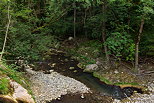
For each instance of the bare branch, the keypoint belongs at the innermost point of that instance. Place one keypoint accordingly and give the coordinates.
(6, 33)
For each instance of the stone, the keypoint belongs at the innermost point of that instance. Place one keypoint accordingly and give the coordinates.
(116, 72)
(75, 71)
(30, 71)
(91, 67)
(66, 60)
(71, 68)
(20, 93)
(58, 98)
(51, 70)
(82, 96)
(70, 38)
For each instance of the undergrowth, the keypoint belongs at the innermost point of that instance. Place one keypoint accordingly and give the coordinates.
(10, 71)
(86, 52)
(4, 86)
(103, 79)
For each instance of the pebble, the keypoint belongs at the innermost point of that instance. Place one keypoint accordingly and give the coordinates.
(47, 87)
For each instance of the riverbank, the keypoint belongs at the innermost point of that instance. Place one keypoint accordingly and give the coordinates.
(47, 87)
(119, 72)
(140, 98)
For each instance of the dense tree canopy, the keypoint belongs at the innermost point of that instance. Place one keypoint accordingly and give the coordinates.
(36, 25)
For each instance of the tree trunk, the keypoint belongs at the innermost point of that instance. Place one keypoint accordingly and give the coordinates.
(6, 33)
(74, 19)
(84, 21)
(104, 33)
(137, 45)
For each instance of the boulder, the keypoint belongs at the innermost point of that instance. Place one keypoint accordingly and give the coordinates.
(20, 93)
(91, 68)
(7, 99)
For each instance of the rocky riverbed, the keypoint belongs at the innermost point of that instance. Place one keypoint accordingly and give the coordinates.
(140, 98)
(47, 87)
(52, 86)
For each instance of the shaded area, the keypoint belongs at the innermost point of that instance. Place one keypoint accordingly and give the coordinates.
(88, 98)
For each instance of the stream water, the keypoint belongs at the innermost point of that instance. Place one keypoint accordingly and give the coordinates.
(68, 67)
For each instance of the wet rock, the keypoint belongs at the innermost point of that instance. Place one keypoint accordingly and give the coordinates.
(117, 93)
(71, 68)
(127, 92)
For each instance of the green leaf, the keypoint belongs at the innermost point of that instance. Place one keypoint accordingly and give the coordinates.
(1, 53)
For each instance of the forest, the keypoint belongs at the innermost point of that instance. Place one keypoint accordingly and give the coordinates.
(111, 40)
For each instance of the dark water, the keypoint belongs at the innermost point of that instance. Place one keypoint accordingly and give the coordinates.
(68, 67)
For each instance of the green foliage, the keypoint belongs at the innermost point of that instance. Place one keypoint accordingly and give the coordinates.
(27, 45)
(121, 45)
(36, 24)
(91, 48)
(94, 26)
(86, 52)
(123, 83)
(103, 79)
(147, 47)
(21, 41)
(12, 73)
(4, 86)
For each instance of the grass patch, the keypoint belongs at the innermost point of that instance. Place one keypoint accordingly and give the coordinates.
(102, 78)
(109, 82)
(13, 74)
(4, 86)
(124, 83)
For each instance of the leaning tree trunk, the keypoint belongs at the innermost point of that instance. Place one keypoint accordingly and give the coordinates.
(104, 33)
(6, 33)
(137, 45)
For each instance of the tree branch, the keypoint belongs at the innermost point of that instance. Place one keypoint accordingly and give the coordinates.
(6, 33)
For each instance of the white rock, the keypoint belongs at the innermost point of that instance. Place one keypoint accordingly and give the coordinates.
(70, 38)
(51, 71)
(91, 67)
(82, 96)
(21, 93)
(116, 72)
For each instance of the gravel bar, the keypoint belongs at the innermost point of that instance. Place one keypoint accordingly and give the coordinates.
(47, 87)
